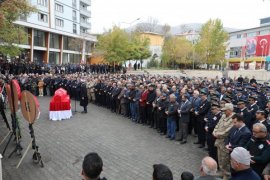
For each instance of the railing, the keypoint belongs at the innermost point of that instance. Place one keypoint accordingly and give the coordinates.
(88, 2)
(85, 12)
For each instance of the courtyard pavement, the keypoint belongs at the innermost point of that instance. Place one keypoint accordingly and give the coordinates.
(128, 150)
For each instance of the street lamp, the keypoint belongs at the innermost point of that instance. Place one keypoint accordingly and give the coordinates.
(130, 23)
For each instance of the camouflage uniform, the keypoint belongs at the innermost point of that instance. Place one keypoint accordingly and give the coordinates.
(222, 131)
(90, 91)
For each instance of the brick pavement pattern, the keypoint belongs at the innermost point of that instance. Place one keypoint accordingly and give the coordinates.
(128, 150)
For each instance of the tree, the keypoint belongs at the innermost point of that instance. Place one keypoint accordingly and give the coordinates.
(176, 50)
(138, 48)
(149, 26)
(211, 45)
(10, 33)
(113, 45)
(166, 28)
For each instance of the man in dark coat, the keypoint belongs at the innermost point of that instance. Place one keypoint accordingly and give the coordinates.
(84, 97)
(239, 135)
(203, 110)
(184, 113)
(149, 107)
(242, 110)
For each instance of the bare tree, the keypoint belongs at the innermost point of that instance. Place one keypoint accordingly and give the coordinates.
(184, 28)
(149, 26)
(166, 28)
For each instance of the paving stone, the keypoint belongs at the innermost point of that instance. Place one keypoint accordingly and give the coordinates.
(128, 150)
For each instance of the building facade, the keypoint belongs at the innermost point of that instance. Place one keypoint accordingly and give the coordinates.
(249, 48)
(58, 33)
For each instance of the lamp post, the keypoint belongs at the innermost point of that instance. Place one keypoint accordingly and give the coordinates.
(130, 23)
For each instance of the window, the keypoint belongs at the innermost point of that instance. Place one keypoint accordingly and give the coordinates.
(74, 3)
(54, 58)
(74, 16)
(59, 22)
(42, 2)
(42, 17)
(264, 32)
(238, 36)
(74, 28)
(233, 37)
(251, 34)
(59, 8)
(235, 52)
(67, 44)
(39, 38)
(54, 41)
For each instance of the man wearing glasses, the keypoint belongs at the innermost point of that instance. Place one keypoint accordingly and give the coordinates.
(259, 148)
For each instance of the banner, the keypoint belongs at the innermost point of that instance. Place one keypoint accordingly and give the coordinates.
(251, 46)
(262, 48)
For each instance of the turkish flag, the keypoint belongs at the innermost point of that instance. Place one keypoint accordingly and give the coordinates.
(263, 43)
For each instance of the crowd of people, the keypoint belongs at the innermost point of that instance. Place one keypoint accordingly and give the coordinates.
(229, 117)
(21, 67)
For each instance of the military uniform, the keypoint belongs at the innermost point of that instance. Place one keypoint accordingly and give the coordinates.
(221, 132)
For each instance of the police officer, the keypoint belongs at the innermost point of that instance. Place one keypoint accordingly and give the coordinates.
(261, 118)
(201, 114)
(211, 123)
(259, 148)
(253, 108)
(242, 110)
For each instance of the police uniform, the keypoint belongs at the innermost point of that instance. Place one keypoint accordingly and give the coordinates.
(260, 151)
(203, 111)
(211, 123)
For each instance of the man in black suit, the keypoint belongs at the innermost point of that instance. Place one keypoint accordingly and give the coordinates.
(83, 96)
(239, 134)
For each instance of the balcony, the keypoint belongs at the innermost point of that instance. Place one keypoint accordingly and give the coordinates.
(87, 2)
(85, 24)
(85, 12)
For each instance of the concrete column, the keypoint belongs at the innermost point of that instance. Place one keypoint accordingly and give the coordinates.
(47, 45)
(61, 41)
(31, 43)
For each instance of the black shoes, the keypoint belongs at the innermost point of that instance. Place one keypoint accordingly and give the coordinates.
(84, 112)
(183, 142)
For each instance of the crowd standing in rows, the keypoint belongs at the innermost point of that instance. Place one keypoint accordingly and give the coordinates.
(224, 114)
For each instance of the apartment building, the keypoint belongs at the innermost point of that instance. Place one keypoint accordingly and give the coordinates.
(58, 33)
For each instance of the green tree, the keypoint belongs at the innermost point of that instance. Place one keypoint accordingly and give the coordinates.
(117, 46)
(211, 45)
(10, 33)
(113, 45)
(138, 48)
(176, 50)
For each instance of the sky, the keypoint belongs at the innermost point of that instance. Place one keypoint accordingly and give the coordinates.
(239, 14)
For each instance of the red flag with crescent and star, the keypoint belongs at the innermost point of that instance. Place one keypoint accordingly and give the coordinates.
(263, 43)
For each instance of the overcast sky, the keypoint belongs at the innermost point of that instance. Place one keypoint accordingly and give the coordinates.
(237, 14)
